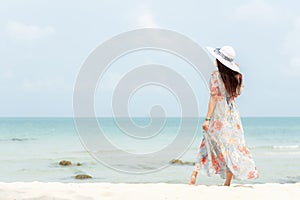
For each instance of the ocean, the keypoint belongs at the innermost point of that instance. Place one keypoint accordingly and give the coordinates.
(31, 148)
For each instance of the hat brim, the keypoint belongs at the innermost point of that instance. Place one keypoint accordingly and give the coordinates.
(231, 65)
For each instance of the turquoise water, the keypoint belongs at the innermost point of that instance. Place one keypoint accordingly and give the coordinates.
(30, 149)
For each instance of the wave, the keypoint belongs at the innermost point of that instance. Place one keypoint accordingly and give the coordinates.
(15, 139)
(295, 153)
(278, 147)
(286, 147)
(274, 147)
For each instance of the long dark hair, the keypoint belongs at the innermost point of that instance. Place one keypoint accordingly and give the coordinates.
(232, 80)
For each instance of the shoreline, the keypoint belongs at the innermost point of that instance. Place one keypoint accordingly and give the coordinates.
(154, 191)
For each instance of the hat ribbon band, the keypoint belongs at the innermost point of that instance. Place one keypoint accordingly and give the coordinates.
(217, 51)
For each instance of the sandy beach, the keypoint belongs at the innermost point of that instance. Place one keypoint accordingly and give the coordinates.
(153, 191)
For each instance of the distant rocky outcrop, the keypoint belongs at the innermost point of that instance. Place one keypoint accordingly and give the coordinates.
(68, 163)
(65, 163)
(189, 163)
(82, 176)
(176, 161)
(180, 162)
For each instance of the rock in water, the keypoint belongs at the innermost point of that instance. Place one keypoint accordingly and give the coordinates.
(176, 161)
(180, 162)
(189, 163)
(65, 163)
(82, 176)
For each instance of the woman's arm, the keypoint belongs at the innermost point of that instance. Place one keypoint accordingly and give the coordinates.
(214, 98)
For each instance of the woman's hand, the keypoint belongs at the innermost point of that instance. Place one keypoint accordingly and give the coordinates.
(205, 125)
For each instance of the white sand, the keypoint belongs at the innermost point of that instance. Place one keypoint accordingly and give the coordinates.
(103, 191)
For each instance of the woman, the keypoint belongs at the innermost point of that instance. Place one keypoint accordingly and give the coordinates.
(222, 150)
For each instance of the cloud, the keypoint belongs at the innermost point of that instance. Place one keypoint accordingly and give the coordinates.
(142, 16)
(7, 75)
(26, 32)
(42, 85)
(291, 48)
(35, 85)
(292, 41)
(258, 11)
(146, 19)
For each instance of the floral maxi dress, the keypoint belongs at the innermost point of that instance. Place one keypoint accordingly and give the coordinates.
(223, 146)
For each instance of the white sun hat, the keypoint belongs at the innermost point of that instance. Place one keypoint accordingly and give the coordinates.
(226, 56)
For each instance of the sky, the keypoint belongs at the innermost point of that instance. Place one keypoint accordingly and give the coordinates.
(43, 45)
